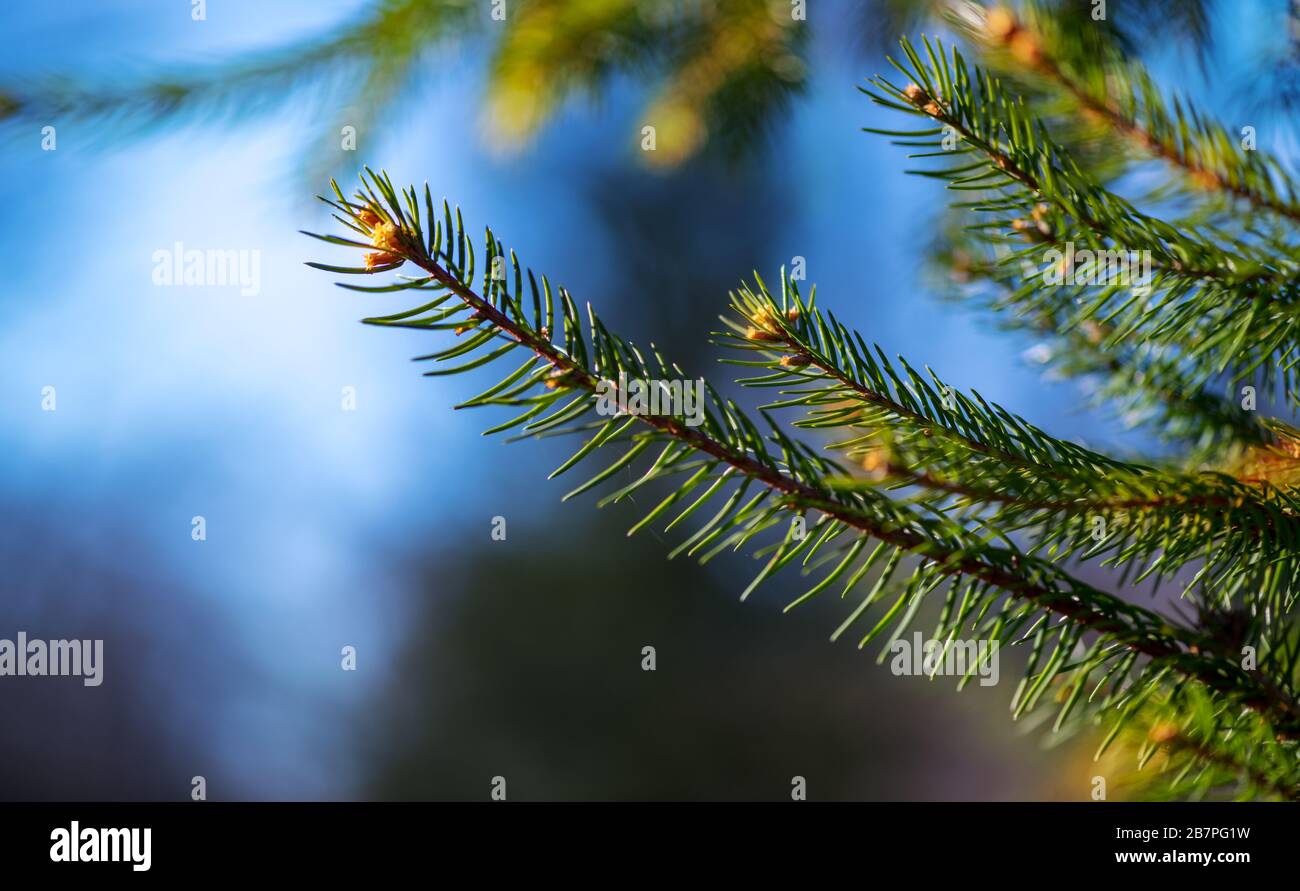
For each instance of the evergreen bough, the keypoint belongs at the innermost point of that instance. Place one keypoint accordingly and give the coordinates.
(927, 494)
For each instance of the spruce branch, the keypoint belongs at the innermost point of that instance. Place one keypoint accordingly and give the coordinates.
(967, 455)
(1225, 304)
(1197, 749)
(1143, 383)
(996, 590)
(1107, 85)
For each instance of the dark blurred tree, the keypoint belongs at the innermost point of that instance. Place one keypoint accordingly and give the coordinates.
(513, 675)
(168, 672)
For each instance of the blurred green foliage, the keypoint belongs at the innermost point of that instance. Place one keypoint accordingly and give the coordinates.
(714, 73)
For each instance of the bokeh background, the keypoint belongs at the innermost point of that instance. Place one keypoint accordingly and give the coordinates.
(370, 528)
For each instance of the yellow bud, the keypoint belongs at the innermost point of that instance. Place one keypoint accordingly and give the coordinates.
(1000, 23)
(876, 464)
(1163, 732)
(380, 258)
(387, 236)
(1025, 48)
(1207, 180)
(765, 319)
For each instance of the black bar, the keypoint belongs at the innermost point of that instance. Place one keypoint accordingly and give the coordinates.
(329, 840)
